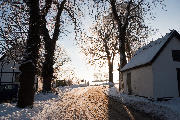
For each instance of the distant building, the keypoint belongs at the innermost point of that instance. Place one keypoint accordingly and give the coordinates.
(154, 70)
(100, 82)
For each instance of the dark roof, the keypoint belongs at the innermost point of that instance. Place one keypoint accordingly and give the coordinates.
(147, 54)
(2, 57)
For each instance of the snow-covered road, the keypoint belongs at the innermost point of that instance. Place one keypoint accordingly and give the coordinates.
(88, 103)
(92, 103)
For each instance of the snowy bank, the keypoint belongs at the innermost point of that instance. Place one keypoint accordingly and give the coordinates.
(41, 102)
(169, 110)
(10, 111)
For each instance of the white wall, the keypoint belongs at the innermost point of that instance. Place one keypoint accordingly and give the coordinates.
(141, 81)
(164, 71)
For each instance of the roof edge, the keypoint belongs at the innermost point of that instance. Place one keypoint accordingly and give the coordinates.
(173, 33)
(136, 67)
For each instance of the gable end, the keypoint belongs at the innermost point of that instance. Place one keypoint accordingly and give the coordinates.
(174, 33)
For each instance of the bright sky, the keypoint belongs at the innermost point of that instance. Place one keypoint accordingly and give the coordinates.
(167, 20)
(164, 21)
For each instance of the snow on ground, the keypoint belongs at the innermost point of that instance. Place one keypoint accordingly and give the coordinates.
(41, 101)
(10, 111)
(59, 109)
(169, 110)
(88, 103)
(48, 104)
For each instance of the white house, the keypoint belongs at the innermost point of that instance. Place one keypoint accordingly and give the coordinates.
(154, 70)
(9, 71)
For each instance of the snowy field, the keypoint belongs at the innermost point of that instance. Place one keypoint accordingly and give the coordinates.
(168, 110)
(46, 105)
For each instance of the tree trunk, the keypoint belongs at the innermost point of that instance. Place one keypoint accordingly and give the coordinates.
(128, 50)
(110, 71)
(48, 66)
(50, 45)
(121, 39)
(47, 70)
(123, 60)
(110, 65)
(28, 67)
(26, 91)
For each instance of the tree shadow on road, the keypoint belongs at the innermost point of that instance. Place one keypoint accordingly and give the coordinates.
(119, 111)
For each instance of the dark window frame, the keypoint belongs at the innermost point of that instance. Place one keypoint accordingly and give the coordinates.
(176, 55)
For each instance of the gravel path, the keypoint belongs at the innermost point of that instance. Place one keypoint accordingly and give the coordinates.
(89, 103)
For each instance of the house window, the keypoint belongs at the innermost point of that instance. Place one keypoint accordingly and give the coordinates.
(176, 55)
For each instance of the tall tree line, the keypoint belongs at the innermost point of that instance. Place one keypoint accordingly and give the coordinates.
(128, 20)
(26, 27)
(38, 31)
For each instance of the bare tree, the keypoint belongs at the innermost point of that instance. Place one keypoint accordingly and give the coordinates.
(51, 35)
(49, 55)
(28, 67)
(101, 45)
(68, 73)
(20, 35)
(129, 17)
(13, 29)
(60, 58)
